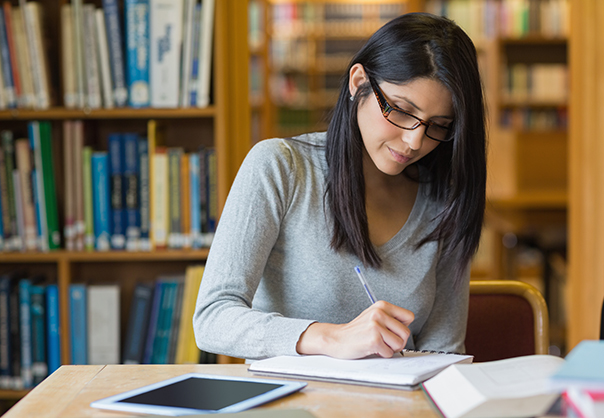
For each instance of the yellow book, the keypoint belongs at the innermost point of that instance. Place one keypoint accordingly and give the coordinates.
(186, 349)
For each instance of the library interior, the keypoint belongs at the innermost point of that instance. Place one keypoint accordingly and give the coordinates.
(116, 158)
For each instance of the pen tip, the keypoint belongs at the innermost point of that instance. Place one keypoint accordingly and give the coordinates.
(357, 269)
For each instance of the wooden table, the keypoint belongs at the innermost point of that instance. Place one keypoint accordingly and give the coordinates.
(68, 392)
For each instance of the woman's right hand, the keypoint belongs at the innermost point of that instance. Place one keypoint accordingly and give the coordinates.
(382, 329)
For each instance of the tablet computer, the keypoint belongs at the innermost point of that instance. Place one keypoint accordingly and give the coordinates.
(196, 393)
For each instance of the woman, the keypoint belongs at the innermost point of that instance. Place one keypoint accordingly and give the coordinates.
(396, 185)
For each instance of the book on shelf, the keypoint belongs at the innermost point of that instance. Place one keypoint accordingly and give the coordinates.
(116, 54)
(175, 155)
(144, 183)
(514, 387)
(24, 169)
(87, 196)
(205, 52)
(25, 332)
(187, 51)
(10, 95)
(27, 98)
(53, 327)
(186, 348)
(131, 190)
(137, 52)
(118, 208)
(68, 73)
(138, 323)
(103, 316)
(160, 198)
(78, 322)
(38, 332)
(101, 200)
(400, 372)
(38, 185)
(102, 48)
(91, 64)
(69, 185)
(32, 16)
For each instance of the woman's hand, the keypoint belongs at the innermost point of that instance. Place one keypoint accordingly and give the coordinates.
(381, 329)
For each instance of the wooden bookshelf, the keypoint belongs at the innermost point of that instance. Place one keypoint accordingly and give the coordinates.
(225, 125)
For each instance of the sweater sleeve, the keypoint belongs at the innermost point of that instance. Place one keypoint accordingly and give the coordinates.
(445, 328)
(224, 320)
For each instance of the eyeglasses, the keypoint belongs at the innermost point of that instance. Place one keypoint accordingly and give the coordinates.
(406, 120)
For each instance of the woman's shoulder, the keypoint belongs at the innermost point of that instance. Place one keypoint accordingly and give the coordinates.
(306, 147)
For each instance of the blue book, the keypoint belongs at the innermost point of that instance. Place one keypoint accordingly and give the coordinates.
(145, 221)
(195, 56)
(116, 52)
(38, 332)
(195, 202)
(7, 71)
(5, 335)
(118, 209)
(137, 52)
(164, 323)
(16, 381)
(138, 324)
(25, 328)
(53, 328)
(78, 322)
(131, 190)
(212, 190)
(37, 181)
(153, 319)
(100, 198)
(583, 367)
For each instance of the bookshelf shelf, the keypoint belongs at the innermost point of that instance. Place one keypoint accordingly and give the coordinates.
(60, 113)
(108, 256)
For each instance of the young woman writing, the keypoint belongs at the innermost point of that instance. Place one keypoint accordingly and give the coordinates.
(396, 185)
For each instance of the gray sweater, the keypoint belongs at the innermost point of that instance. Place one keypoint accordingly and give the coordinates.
(271, 271)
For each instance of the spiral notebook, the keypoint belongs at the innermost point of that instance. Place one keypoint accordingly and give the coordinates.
(397, 372)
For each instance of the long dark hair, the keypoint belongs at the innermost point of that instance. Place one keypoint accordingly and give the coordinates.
(412, 46)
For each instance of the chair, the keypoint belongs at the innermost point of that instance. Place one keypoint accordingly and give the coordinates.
(506, 318)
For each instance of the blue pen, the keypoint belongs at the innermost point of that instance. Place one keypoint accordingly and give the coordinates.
(357, 269)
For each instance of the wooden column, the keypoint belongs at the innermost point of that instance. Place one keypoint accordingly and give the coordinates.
(586, 171)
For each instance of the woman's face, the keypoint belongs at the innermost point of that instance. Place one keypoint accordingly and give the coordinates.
(390, 148)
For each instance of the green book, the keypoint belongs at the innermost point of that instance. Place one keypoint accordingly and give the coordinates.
(50, 193)
(88, 212)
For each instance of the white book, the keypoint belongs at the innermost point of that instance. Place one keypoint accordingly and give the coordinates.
(205, 52)
(165, 43)
(27, 98)
(185, 68)
(91, 65)
(400, 372)
(103, 59)
(78, 41)
(39, 62)
(103, 324)
(160, 199)
(70, 97)
(514, 387)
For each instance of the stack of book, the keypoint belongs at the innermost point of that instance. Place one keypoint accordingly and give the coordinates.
(161, 58)
(24, 71)
(581, 378)
(29, 330)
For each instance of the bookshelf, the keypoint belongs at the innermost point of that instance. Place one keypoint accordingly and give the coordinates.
(211, 126)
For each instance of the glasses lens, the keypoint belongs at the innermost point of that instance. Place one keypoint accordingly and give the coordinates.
(403, 120)
(438, 132)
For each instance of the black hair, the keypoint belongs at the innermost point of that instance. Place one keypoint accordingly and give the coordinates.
(412, 46)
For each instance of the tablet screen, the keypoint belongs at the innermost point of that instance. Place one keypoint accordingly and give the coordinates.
(200, 393)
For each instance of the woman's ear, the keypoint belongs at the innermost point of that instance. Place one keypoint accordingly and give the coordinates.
(357, 77)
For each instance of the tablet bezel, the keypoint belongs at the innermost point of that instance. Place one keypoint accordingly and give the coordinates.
(113, 402)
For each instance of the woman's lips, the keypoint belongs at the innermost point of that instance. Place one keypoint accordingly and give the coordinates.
(400, 158)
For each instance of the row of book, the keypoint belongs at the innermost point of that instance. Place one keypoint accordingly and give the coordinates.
(24, 76)
(136, 195)
(159, 325)
(535, 119)
(296, 18)
(535, 82)
(488, 19)
(162, 58)
(29, 330)
(28, 200)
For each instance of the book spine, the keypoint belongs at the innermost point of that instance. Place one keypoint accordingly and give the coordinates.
(175, 207)
(116, 171)
(53, 328)
(38, 182)
(27, 99)
(40, 70)
(50, 194)
(175, 325)
(138, 323)
(5, 335)
(88, 210)
(78, 323)
(7, 230)
(185, 206)
(78, 185)
(116, 53)
(195, 231)
(23, 155)
(160, 198)
(205, 53)
(163, 319)
(130, 181)
(103, 59)
(25, 331)
(212, 191)
(16, 381)
(137, 52)
(78, 39)
(103, 324)
(3, 103)
(7, 71)
(143, 154)
(38, 215)
(68, 163)
(1, 226)
(185, 65)
(91, 64)
(19, 210)
(101, 200)
(165, 40)
(70, 98)
(194, 68)
(38, 329)
(10, 39)
(153, 318)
